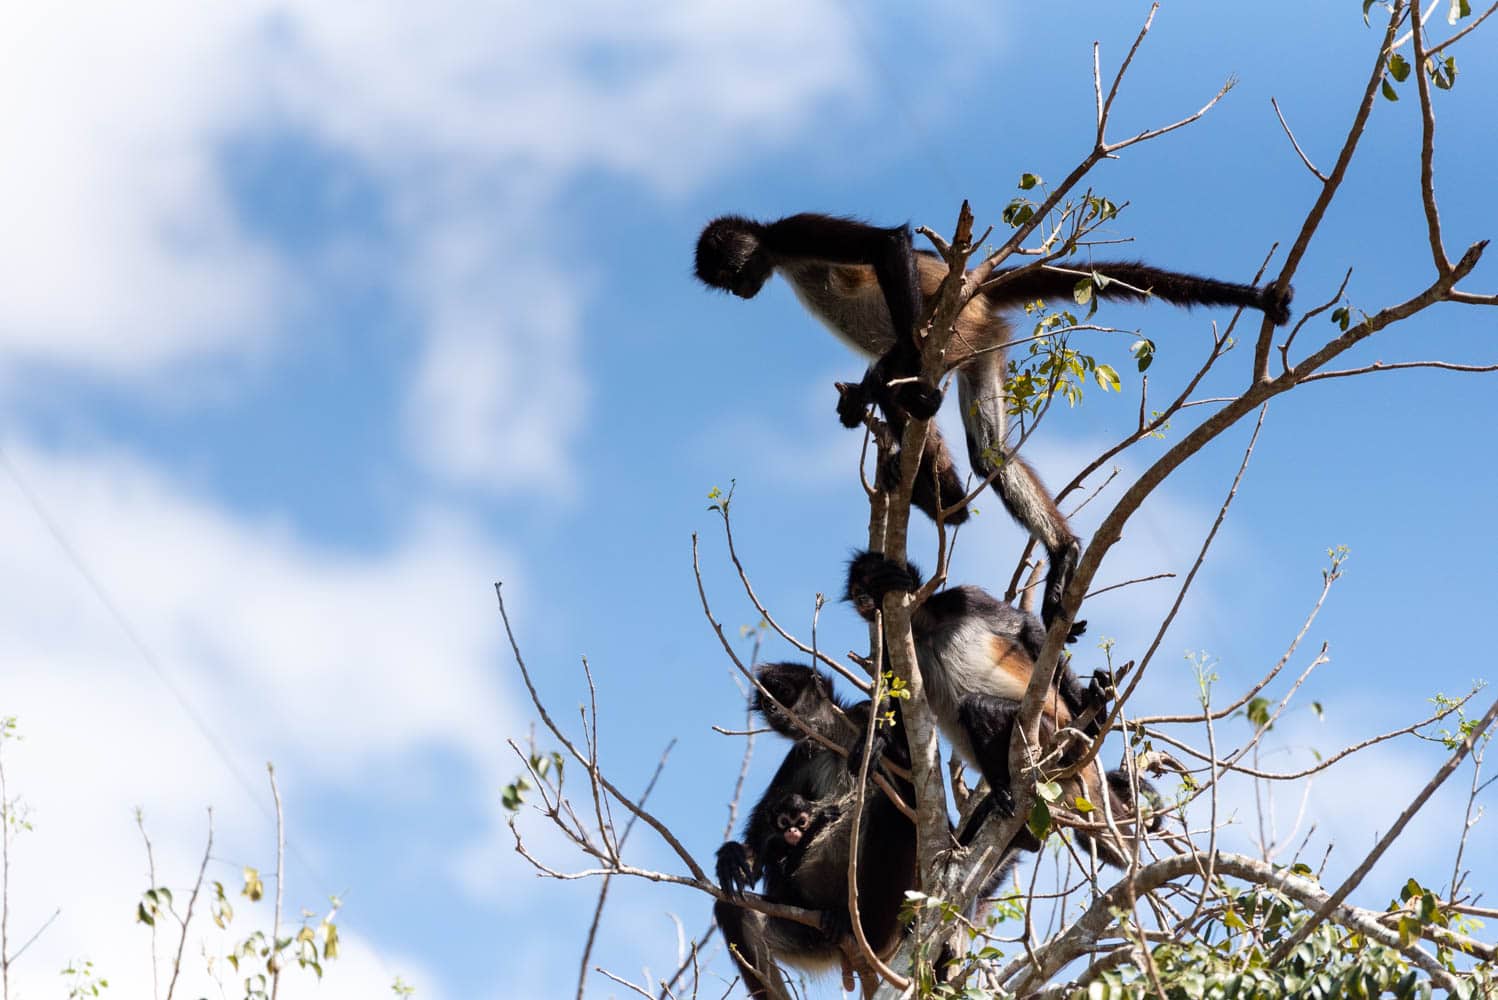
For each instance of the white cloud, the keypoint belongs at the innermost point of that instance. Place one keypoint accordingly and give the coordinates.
(345, 670)
(124, 255)
(118, 243)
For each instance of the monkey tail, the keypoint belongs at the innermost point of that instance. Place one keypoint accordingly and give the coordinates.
(1134, 281)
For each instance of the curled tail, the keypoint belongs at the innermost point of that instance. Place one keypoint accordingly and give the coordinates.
(1133, 281)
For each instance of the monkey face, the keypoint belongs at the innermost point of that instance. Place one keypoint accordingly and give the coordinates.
(793, 820)
(864, 603)
(729, 257)
(792, 827)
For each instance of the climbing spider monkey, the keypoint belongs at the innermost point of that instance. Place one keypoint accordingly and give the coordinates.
(868, 286)
(976, 656)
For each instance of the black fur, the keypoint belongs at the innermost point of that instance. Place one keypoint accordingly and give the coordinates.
(813, 787)
(1185, 290)
(977, 709)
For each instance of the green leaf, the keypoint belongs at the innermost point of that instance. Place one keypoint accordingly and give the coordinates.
(1050, 791)
(1027, 181)
(1387, 90)
(1082, 291)
(1399, 67)
(1144, 353)
(1441, 73)
(1040, 819)
(1459, 9)
(1107, 378)
(1258, 712)
(1083, 806)
(1018, 212)
(253, 886)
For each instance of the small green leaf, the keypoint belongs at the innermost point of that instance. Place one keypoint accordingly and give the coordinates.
(1387, 89)
(1258, 712)
(1144, 353)
(1399, 67)
(1083, 806)
(1459, 9)
(253, 886)
(1082, 291)
(1040, 819)
(1018, 212)
(1050, 791)
(1027, 181)
(1107, 378)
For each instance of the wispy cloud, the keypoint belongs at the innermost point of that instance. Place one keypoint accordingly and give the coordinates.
(256, 646)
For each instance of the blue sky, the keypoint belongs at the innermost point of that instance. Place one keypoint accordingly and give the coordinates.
(319, 318)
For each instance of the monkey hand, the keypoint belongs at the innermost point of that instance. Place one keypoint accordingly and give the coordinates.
(1078, 629)
(852, 403)
(920, 399)
(735, 869)
(1100, 690)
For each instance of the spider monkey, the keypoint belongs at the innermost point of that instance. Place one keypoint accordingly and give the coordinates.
(867, 285)
(976, 656)
(796, 839)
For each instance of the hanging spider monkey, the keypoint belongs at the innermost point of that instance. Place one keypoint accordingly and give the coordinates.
(796, 839)
(976, 656)
(868, 285)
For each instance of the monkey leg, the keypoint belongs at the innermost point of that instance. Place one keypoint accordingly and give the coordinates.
(746, 933)
(937, 484)
(980, 389)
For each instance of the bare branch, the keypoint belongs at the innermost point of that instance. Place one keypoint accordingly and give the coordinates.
(603, 890)
(698, 874)
(1336, 898)
(1380, 366)
(198, 885)
(1298, 151)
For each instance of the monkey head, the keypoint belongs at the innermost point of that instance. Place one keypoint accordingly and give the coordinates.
(794, 820)
(731, 256)
(871, 576)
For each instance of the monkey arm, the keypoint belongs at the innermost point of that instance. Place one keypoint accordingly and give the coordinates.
(812, 236)
(890, 253)
(737, 868)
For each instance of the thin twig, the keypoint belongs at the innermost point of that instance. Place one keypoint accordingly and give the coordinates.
(1291, 136)
(275, 976)
(1336, 898)
(140, 822)
(196, 887)
(603, 891)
